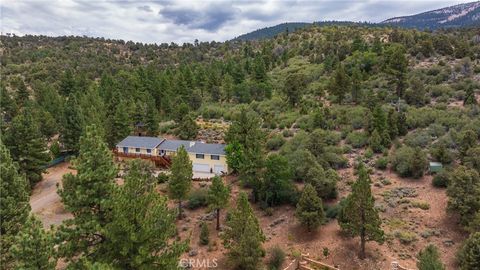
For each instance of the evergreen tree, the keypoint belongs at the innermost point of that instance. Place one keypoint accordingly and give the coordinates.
(141, 228)
(204, 234)
(27, 146)
(359, 217)
(468, 139)
(67, 83)
(181, 177)
(218, 195)
(152, 118)
(463, 193)
(418, 163)
(375, 142)
(469, 254)
(74, 124)
(429, 259)
(33, 247)
(294, 87)
(86, 195)
(234, 153)
(14, 205)
(120, 124)
(188, 128)
(469, 96)
(277, 185)
(324, 182)
(356, 89)
(395, 64)
(310, 208)
(243, 236)
(402, 124)
(340, 84)
(227, 88)
(22, 94)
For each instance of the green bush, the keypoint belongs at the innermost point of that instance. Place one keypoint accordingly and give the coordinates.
(357, 139)
(197, 198)
(381, 163)
(409, 162)
(276, 259)
(440, 179)
(420, 204)
(275, 142)
(162, 178)
(287, 133)
(405, 237)
(469, 255)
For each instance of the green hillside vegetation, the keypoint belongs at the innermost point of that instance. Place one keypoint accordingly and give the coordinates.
(311, 96)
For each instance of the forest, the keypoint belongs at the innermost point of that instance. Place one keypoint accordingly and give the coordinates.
(329, 128)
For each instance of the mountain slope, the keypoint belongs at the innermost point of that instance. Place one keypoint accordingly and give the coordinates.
(462, 15)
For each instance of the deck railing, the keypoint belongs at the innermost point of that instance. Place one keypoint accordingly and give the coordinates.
(163, 161)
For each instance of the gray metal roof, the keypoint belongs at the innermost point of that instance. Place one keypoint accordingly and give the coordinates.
(173, 145)
(207, 148)
(140, 142)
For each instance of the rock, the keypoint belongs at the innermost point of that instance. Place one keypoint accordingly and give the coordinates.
(208, 217)
(448, 242)
(193, 253)
(277, 221)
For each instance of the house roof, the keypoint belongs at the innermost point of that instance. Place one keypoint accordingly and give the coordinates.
(140, 142)
(173, 145)
(207, 148)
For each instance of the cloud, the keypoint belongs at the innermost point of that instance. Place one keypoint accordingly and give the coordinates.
(184, 21)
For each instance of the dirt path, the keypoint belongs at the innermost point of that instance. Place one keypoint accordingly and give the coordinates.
(45, 201)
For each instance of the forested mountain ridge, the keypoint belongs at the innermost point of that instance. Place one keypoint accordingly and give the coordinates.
(462, 15)
(347, 112)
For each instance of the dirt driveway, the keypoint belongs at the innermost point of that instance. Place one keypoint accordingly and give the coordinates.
(45, 201)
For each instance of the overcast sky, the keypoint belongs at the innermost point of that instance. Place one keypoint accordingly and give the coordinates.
(184, 21)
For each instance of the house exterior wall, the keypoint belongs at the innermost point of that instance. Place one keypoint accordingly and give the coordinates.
(208, 160)
(132, 150)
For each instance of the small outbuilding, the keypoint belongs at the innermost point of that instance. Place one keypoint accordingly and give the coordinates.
(435, 167)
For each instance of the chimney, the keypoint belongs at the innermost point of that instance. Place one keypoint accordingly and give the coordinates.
(192, 144)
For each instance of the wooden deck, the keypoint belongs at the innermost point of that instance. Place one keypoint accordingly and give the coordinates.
(159, 161)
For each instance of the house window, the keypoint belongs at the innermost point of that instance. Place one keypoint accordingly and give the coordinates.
(137, 150)
(149, 151)
(200, 156)
(215, 157)
(125, 149)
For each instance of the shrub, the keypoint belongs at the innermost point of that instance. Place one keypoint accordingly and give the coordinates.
(381, 163)
(409, 162)
(162, 178)
(440, 179)
(276, 259)
(204, 234)
(197, 198)
(429, 259)
(405, 237)
(469, 255)
(55, 149)
(287, 133)
(357, 139)
(275, 142)
(421, 205)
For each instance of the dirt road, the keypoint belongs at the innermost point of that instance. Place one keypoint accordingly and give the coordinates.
(45, 202)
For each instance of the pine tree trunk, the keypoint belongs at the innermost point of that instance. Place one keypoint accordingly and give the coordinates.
(218, 219)
(362, 244)
(179, 209)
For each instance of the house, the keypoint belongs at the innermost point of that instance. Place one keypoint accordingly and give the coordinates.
(205, 157)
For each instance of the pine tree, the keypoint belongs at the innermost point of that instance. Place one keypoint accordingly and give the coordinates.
(294, 87)
(429, 259)
(141, 228)
(469, 254)
(27, 146)
(33, 247)
(86, 195)
(181, 177)
(67, 84)
(120, 124)
(375, 142)
(463, 193)
(359, 216)
(469, 96)
(324, 182)
(188, 128)
(243, 236)
(74, 124)
(22, 94)
(402, 124)
(356, 89)
(418, 163)
(340, 84)
(14, 204)
(204, 238)
(310, 208)
(152, 118)
(277, 187)
(218, 195)
(395, 64)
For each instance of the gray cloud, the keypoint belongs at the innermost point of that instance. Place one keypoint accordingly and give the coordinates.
(184, 21)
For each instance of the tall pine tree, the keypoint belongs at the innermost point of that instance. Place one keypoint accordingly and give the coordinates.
(181, 177)
(218, 195)
(310, 208)
(86, 195)
(14, 205)
(359, 216)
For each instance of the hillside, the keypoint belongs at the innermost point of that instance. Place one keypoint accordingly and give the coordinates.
(462, 15)
(310, 118)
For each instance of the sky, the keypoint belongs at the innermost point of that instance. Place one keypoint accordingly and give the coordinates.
(182, 21)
